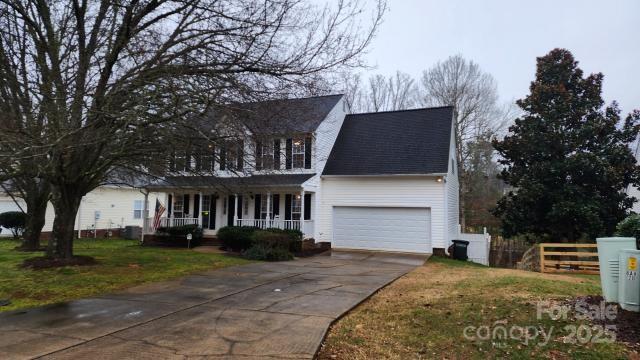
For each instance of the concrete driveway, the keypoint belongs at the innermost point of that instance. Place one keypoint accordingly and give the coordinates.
(268, 310)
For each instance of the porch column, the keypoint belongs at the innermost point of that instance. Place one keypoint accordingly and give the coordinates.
(235, 206)
(200, 209)
(145, 216)
(173, 209)
(268, 208)
(302, 211)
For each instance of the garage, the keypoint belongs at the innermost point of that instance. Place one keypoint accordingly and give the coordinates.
(402, 229)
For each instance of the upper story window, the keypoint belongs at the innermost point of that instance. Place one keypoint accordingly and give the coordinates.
(299, 152)
(232, 156)
(265, 156)
(205, 158)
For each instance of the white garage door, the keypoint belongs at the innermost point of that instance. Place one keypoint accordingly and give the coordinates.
(382, 228)
(4, 207)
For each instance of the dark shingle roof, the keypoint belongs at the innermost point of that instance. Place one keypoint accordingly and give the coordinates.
(286, 115)
(278, 180)
(393, 142)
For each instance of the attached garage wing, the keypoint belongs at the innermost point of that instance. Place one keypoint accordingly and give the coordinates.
(401, 229)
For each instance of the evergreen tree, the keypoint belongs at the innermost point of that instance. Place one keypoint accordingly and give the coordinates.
(568, 157)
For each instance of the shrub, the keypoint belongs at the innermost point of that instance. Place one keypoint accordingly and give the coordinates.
(13, 220)
(177, 235)
(630, 226)
(237, 238)
(277, 238)
(264, 252)
(294, 234)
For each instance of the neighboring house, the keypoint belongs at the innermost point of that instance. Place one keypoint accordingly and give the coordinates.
(378, 181)
(107, 208)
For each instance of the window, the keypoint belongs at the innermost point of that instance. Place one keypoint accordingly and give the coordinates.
(297, 153)
(206, 158)
(264, 160)
(178, 207)
(138, 208)
(232, 156)
(263, 206)
(296, 207)
(180, 160)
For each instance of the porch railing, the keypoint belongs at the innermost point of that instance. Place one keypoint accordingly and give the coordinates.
(168, 222)
(306, 226)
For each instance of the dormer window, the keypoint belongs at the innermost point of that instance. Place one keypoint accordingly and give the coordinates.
(232, 156)
(298, 153)
(268, 155)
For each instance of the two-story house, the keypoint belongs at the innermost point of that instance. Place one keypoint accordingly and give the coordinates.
(376, 181)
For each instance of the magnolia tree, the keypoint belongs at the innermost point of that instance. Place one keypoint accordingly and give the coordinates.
(89, 88)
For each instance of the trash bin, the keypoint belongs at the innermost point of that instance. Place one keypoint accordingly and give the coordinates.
(460, 249)
(608, 256)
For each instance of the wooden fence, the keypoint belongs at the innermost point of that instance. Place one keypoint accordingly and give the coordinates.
(569, 258)
(506, 253)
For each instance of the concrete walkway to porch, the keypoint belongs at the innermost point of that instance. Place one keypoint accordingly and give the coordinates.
(269, 310)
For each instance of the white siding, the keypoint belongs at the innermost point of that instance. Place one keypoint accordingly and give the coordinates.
(392, 191)
(114, 203)
(453, 195)
(633, 191)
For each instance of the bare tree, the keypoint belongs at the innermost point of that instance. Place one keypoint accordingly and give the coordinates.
(473, 93)
(381, 93)
(108, 83)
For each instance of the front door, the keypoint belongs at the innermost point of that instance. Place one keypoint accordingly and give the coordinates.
(209, 212)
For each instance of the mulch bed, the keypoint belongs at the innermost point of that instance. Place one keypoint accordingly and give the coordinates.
(627, 323)
(43, 262)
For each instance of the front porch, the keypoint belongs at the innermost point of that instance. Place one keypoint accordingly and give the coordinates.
(210, 210)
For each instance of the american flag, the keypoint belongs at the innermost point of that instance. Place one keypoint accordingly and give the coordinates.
(159, 211)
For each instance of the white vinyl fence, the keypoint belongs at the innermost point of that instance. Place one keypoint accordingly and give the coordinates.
(479, 246)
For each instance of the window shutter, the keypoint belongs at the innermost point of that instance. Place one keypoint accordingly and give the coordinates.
(187, 160)
(198, 159)
(307, 206)
(172, 161)
(211, 164)
(276, 205)
(276, 154)
(169, 205)
(287, 207)
(258, 155)
(223, 157)
(212, 212)
(257, 207)
(240, 155)
(185, 206)
(196, 206)
(288, 153)
(240, 207)
(307, 152)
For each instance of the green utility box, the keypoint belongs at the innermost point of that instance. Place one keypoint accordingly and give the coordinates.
(608, 256)
(629, 283)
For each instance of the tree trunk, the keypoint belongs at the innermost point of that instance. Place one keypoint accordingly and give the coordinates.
(66, 201)
(36, 214)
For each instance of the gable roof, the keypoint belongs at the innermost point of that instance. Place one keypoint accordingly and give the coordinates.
(286, 115)
(393, 142)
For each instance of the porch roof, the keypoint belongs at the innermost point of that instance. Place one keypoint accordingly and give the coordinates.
(279, 180)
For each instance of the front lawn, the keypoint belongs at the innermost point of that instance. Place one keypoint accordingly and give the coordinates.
(424, 314)
(121, 264)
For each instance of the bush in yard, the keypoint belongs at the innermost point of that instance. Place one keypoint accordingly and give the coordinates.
(294, 234)
(285, 239)
(264, 252)
(629, 227)
(236, 238)
(13, 220)
(177, 235)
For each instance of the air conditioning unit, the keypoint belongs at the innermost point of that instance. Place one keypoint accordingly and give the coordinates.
(132, 232)
(608, 256)
(628, 281)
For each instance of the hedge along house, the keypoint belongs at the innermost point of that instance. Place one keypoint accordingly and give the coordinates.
(381, 181)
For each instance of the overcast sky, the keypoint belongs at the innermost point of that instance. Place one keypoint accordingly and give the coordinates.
(505, 36)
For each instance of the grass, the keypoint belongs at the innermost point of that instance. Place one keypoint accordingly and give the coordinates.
(423, 315)
(121, 264)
